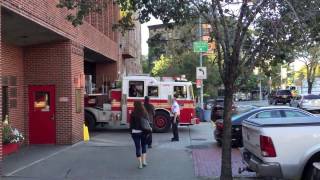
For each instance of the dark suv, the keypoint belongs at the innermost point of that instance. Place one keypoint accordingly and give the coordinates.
(218, 108)
(280, 96)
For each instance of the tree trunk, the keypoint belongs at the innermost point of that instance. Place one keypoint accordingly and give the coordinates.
(310, 83)
(226, 168)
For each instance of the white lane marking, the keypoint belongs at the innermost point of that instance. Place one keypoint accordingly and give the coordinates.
(42, 159)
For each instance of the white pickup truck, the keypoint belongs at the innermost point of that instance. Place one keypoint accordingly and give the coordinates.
(281, 147)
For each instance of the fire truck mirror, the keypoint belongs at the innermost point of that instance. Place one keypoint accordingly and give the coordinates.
(124, 99)
(170, 99)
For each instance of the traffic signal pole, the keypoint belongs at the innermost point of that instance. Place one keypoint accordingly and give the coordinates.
(200, 38)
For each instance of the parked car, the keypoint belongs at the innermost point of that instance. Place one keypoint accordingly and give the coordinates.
(218, 108)
(308, 102)
(209, 104)
(280, 96)
(282, 148)
(236, 126)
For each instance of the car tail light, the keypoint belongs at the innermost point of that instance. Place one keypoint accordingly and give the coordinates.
(266, 146)
(219, 125)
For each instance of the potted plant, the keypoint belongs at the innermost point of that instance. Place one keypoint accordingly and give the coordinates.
(11, 138)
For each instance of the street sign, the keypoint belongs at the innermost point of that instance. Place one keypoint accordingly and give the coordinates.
(201, 73)
(199, 83)
(200, 46)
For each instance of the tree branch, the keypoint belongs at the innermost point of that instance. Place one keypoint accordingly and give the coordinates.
(225, 29)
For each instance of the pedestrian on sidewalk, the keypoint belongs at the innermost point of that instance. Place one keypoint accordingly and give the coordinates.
(138, 136)
(151, 113)
(175, 110)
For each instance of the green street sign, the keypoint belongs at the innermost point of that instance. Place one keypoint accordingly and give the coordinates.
(200, 46)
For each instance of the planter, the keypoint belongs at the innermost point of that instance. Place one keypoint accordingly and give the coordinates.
(10, 148)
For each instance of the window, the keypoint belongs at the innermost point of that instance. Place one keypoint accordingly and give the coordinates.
(136, 88)
(153, 91)
(5, 102)
(180, 91)
(42, 101)
(290, 113)
(269, 114)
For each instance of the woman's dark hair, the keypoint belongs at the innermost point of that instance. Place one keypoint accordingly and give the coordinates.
(139, 111)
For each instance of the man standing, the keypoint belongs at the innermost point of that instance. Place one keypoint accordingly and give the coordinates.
(175, 109)
(150, 109)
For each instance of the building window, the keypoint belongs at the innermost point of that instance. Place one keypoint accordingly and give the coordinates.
(42, 101)
(5, 102)
(153, 91)
(136, 88)
(180, 91)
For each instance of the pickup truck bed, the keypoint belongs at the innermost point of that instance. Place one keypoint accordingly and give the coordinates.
(280, 147)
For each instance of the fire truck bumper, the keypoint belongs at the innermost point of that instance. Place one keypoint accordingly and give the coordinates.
(195, 121)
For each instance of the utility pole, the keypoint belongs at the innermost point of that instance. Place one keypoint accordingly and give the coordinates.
(200, 38)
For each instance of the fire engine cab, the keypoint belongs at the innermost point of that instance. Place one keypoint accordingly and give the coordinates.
(113, 109)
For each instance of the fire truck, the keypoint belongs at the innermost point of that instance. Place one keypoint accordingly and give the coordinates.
(113, 109)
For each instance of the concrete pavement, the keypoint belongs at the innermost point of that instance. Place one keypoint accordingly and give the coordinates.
(110, 155)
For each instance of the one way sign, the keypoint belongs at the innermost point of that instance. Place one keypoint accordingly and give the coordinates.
(201, 72)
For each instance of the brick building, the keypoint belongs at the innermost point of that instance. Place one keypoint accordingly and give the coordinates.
(43, 60)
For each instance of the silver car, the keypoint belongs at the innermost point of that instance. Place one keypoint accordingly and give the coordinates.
(309, 102)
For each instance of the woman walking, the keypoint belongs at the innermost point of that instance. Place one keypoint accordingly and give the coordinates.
(138, 136)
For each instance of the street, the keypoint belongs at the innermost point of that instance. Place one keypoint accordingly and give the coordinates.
(110, 155)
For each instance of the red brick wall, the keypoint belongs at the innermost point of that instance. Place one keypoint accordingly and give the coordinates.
(12, 59)
(48, 15)
(56, 64)
(77, 61)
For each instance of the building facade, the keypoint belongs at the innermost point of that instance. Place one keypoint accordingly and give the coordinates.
(43, 62)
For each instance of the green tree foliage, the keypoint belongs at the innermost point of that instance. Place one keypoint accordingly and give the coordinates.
(145, 64)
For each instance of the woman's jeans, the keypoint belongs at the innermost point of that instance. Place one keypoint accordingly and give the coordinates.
(140, 143)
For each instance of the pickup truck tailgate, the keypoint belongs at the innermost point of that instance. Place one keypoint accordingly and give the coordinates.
(251, 139)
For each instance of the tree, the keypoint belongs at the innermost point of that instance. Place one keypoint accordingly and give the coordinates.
(238, 51)
(311, 60)
(304, 35)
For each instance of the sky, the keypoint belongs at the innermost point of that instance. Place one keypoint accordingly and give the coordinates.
(145, 34)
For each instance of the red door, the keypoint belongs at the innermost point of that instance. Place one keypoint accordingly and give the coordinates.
(42, 125)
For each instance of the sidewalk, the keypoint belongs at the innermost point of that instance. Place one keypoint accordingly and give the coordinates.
(111, 155)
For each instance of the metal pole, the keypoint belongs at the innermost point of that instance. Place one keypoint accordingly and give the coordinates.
(260, 90)
(201, 89)
(260, 94)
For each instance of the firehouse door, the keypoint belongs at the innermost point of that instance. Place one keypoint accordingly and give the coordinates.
(42, 125)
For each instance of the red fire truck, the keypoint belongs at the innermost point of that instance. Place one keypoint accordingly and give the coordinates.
(113, 109)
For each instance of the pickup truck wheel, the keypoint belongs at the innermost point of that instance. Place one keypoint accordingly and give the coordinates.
(90, 121)
(162, 122)
(308, 170)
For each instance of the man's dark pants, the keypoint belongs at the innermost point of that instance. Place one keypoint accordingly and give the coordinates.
(175, 129)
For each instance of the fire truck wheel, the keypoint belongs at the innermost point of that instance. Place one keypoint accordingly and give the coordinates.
(90, 121)
(161, 122)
